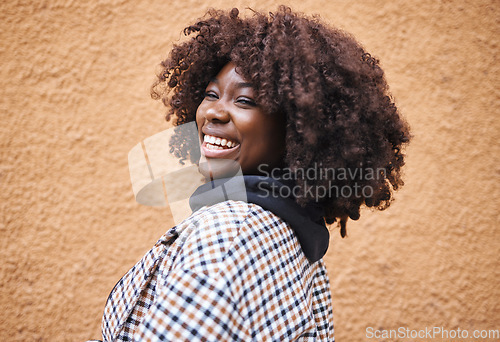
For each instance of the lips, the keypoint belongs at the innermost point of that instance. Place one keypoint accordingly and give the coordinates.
(217, 143)
(219, 147)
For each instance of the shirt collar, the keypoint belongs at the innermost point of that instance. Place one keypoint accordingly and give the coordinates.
(273, 195)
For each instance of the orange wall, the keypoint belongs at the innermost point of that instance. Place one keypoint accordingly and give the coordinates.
(75, 82)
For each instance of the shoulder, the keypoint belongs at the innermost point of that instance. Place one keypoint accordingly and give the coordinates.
(221, 214)
(233, 229)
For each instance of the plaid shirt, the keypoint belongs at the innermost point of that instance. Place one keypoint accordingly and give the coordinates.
(230, 272)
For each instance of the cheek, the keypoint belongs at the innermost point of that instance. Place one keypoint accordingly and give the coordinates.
(266, 136)
(199, 115)
(276, 140)
(274, 131)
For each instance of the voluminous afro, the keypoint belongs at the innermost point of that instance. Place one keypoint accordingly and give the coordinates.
(339, 113)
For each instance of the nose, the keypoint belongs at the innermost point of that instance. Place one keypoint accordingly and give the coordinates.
(218, 113)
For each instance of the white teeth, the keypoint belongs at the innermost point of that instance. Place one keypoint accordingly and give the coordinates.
(217, 142)
(214, 147)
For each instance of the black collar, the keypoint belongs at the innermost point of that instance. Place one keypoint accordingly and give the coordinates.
(276, 196)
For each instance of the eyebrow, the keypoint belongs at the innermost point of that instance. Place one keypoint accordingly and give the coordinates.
(238, 85)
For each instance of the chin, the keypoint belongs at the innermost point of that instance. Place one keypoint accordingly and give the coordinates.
(219, 168)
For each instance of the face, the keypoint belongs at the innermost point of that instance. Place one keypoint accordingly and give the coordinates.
(232, 126)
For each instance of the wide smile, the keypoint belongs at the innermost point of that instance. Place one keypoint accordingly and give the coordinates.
(216, 143)
(218, 147)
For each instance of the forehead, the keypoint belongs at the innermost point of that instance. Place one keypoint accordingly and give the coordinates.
(229, 76)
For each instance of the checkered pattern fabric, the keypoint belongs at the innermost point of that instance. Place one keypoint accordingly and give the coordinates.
(230, 272)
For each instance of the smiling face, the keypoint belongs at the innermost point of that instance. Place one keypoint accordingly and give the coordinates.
(232, 126)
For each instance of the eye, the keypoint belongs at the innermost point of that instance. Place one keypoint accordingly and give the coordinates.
(246, 101)
(210, 94)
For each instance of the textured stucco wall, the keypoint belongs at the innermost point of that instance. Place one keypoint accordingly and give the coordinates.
(75, 80)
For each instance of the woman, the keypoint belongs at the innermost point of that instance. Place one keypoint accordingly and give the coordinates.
(305, 114)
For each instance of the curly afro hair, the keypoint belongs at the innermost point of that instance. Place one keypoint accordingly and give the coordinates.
(339, 112)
